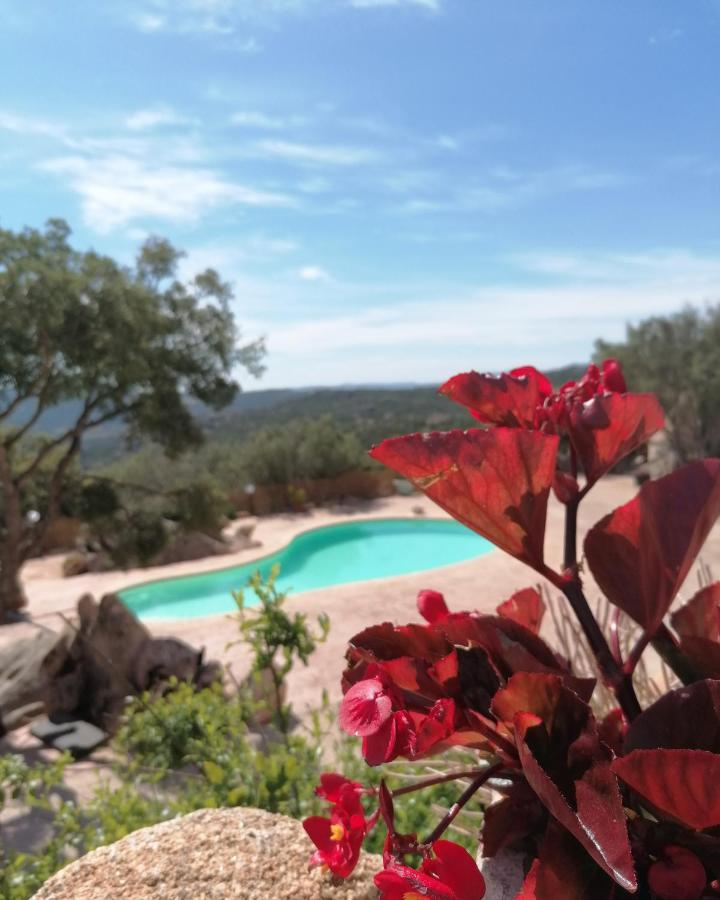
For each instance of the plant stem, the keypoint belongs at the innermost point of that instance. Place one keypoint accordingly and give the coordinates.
(451, 814)
(667, 647)
(437, 779)
(612, 673)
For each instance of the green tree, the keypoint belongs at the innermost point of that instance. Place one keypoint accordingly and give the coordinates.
(128, 343)
(677, 357)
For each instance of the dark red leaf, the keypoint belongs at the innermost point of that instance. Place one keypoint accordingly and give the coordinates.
(686, 719)
(610, 427)
(563, 871)
(641, 553)
(679, 875)
(511, 819)
(508, 399)
(525, 607)
(496, 482)
(568, 767)
(700, 617)
(683, 784)
(612, 730)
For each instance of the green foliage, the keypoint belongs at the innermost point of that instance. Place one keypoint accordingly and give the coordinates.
(128, 344)
(201, 507)
(304, 449)
(191, 749)
(276, 638)
(142, 536)
(677, 357)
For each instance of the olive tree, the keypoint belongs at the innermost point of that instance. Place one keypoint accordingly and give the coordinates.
(111, 342)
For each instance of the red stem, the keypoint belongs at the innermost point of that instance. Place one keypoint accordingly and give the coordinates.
(451, 814)
(438, 779)
(619, 682)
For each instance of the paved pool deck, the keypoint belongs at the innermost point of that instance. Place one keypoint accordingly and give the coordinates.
(480, 584)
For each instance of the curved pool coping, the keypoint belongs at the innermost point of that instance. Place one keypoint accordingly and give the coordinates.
(284, 546)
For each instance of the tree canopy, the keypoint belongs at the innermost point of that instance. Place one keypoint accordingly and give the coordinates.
(133, 343)
(677, 357)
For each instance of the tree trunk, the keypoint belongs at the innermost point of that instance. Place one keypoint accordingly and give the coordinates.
(12, 596)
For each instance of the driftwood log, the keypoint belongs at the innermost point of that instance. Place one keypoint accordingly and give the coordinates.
(89, 668)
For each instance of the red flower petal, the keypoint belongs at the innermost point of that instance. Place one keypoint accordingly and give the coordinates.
(454, 867)
(365, 708)
(496, 482)
(432, 606)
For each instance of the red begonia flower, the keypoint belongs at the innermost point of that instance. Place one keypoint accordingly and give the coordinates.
(333, 786)
(432, 606)
(451, 874)
(339, 838)
(366, 707)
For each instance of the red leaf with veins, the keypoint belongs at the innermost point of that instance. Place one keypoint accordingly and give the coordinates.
(610, 426)
(496, 482)
(641, 553)
(568, 767)
(508, 399)
(525, 607)
(683, 784)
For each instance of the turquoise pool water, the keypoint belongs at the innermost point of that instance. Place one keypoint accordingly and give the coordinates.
(335, 554)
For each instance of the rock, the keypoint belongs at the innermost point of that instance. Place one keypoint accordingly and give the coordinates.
(187, 546)
(75, 563)
(88, 670)
(23, 675)
(211, 854)
(504, 875)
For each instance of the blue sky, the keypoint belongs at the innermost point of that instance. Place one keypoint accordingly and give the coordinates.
(398, 189)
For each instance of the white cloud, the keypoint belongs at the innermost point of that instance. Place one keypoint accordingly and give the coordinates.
(433, 5)
(117, 190)
(422, 333)
(314, 273)
(154, 117)
(318, 154)
(31, 127)
(259, 120)
(508, 188)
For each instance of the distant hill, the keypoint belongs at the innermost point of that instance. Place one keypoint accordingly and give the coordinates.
(374, 412)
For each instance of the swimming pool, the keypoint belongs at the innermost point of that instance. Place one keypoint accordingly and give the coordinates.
(334, 554)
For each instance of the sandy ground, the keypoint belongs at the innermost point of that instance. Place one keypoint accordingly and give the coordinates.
(480, 584)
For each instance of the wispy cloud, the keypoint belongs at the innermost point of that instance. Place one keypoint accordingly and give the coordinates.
(318, 154)
(225, 17)
(155, 117)
(264, 122)
(433, 5)
(507, 188)
(116, 191)
(314, 273)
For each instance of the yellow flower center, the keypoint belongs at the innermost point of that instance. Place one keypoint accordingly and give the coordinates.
(412, 896)
(337, 832)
